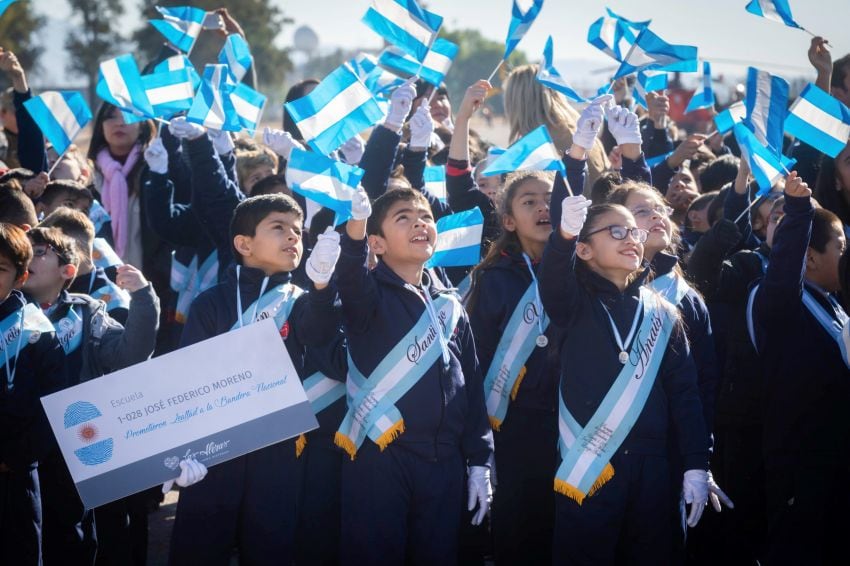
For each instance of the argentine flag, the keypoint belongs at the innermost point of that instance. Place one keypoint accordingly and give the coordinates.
(212, 107)
(5, 4)
(520, 24)
(177, 62)
(435, 181)
(328, 182)
(767, 168)
(120, 84)
(767, 100)
(337, 109)
(404, 24)
(549, 76)
(180, 25)
(651, 53)
(534, 152)
(647, 81)
(169, 92)
(614, 34)
(236, 54)
(820, 120)
(436, 65)
(248, 104)
(60, 116)
(705, 97)
(458, 239)
(727, 119)
(776, 10)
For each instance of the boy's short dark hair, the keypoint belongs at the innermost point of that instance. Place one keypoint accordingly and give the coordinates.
(840, 70)
(72, 223)
(715, 208)
(16, 247)
(61, 187)
(699, 204)
(604, 185)
(717, 173)
(250, 212)
(383, 204)
(17, 174)
(825, 225)
(268, 185)
(16, 207)
(62, 245)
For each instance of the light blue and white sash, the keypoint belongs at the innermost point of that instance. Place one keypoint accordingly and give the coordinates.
(371, 401)
(322, 392)
(69, 330)
(275, 303)
(189, 281)
(98, 216)
(21, 328)
(837, 329)
(586, 451)
(515, 347)
(114, 296)
(103, 255)
(671, 286)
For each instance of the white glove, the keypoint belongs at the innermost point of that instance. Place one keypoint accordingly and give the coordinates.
(695, 493)
(480, 491)
(181, 129)
(353, 149)
(716, 495)
(222, 142)
(421, 127)
(280, 142)
(191, 472)
(157, 157)
(590, 121)
(400, 103)
(623, 125)
(573, 214)
(322, 260)
(361, 208)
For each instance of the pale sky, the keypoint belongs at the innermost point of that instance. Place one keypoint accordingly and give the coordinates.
(724, 32)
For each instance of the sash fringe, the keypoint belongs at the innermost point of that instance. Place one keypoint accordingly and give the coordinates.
(390, 434)
(180, 317)
(495, 423)
(515, 388)
(346, 444)
(300, 444)
(573, 492)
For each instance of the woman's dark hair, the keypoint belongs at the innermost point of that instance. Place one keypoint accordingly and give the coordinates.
(828, 192)
(147, 129)
(299, 90)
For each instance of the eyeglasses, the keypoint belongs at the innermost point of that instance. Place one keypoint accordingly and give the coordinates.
(639, 235)
(40, 250)
(647, 211)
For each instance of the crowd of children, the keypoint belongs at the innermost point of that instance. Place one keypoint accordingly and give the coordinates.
(639, 347)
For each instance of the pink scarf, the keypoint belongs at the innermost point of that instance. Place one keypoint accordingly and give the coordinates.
(116, 193)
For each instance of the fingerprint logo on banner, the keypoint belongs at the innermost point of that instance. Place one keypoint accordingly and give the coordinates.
(81, 416)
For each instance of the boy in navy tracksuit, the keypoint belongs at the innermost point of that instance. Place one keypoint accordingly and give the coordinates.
(249, 502)
(414, 429)
(30, 367)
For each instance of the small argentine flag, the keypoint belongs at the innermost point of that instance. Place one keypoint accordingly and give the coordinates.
(647, 81)
(169, 92)
(435, 66)
(236, 54)
(614, 34)
(249, 105)
(5, 4)
(651, 53)
(458, 239)
(435, 181)
(703, 98)
(60, 116)
(180, 25)
(766, 167)
(520, 24)
(820, 120)
(405, 24)
(727, 119)
(377, 80)
(767, 101)
(120, 84)
(534, 152)
(212, 107)
(548, 75)
(177, 62)
(338, 108)
(776, 10)
(328, 182)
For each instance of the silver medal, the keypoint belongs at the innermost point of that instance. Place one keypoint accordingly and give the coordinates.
(624, 357)
(542, 341)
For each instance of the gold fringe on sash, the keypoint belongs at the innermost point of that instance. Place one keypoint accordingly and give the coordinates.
(346, 444)
(390, 434)
(573, 493)
(300, 444)
(495, 423)
(180, 317)
(515, 388)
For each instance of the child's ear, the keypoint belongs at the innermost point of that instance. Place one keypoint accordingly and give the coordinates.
(68, 272)
(377, 244)
(509, 223)
(584, 251)
(812, 260)
(242, 244)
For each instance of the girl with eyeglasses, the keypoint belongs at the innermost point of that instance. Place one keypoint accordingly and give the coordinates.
(627, 380)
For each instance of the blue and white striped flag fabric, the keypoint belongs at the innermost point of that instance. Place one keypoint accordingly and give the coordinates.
(703, 98)
(648, 81)
(169, 92)
(614, 34)
(820, 120)
(458, 239)
(328, 182)
(212, 107)
(236, 54)
(380, 82)
(435, 181)
(249, 105)
(776, 10)
(60, 116)
(548, 75)
(177, 62)
(653, 161)
(534, 152)
(727, 119)
(180, 25)
(337, 109)
(520, 24)
(5, 4)
(120, 84)
(767, 101)
(405, 24)
(651, 53)
(436, 65)
(766, 166)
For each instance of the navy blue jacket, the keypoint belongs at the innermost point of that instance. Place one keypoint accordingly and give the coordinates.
(733, 207)
(589, 364)
(444, 412)
(25, 436)
(378, 161)
(807, 383)
(654, 141)
(31, 152)
(499, 289)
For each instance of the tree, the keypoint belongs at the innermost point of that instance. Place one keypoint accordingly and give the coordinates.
(18, 28)
(95, 38)
(476, 58)
(261, 21)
